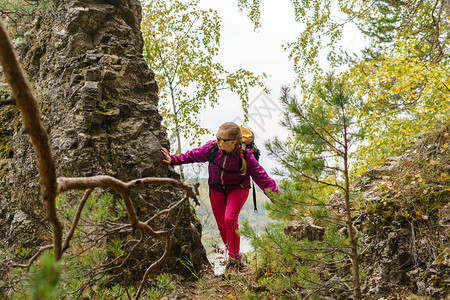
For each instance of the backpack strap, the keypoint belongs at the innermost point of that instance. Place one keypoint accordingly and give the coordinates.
(212, 153)
(256, 152)
(255, 208)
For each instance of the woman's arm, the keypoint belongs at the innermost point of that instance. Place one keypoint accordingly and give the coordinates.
(195, 155)
(259, 175)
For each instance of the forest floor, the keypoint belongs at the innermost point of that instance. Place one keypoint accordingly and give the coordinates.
(214, 286)
(211, 286)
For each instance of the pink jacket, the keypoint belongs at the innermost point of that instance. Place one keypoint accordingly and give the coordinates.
(219, 179)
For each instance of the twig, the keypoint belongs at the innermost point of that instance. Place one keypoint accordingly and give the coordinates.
(167, 210)
(76, 219)
(156, 263)
(35, 256)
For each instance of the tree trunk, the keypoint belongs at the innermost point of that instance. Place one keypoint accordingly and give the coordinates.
(177, 129)
(351, 235)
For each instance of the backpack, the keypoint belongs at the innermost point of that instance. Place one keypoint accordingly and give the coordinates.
(248, 142)
(248, 139)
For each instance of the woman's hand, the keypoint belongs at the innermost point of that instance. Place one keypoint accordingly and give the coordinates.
(166, 159)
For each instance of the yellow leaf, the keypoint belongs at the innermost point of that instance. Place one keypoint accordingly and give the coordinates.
(444, 176)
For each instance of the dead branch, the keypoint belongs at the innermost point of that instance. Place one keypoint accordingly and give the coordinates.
(105, 181)
(98, 272)
(156, 263)
(166, 211)
(76, 219)
(31, 119)
(35, 256)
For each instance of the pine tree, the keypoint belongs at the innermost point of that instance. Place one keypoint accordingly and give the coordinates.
(316, 159)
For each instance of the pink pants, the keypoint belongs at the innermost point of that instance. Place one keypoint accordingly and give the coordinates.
(226, 215)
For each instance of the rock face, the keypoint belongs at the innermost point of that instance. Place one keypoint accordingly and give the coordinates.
(405, 223)
(305, 229)
(98, 100)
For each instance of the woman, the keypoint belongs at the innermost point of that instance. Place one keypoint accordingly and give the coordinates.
(229, 180)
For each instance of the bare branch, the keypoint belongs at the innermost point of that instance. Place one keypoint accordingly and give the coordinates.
(76, 219)
(156, 263)
(35, 256)
(105, 181)
(31, 119)
(167, 210)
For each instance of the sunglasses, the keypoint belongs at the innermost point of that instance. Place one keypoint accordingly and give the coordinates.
(221, 141)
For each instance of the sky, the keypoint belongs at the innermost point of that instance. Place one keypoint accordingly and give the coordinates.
(260, 51)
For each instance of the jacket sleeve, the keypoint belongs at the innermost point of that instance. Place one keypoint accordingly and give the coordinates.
(259, 175)
(192, 156)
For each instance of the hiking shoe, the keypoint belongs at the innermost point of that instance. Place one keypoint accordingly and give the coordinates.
(235, 265)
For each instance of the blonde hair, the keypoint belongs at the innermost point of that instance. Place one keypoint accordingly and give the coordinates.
(234, 132)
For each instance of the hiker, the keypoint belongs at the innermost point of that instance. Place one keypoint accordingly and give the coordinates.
(229, 180)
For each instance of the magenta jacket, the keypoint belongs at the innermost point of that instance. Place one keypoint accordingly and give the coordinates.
(219, 179)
